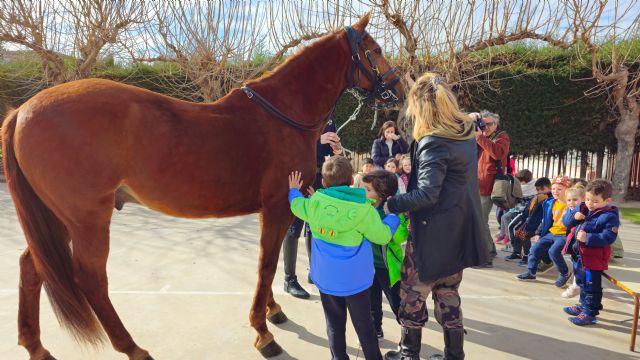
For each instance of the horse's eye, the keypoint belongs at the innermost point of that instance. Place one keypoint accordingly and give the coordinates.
(377, 51)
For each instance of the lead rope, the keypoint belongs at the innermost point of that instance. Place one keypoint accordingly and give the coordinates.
(375, 119)
(351, 118)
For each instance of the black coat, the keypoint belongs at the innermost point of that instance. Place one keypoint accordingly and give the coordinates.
(444, 205)
(380, 150)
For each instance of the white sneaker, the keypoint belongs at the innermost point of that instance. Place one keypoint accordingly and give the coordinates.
(571, 291)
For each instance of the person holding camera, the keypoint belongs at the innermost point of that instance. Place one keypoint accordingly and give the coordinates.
(389, 145)
(493, 147)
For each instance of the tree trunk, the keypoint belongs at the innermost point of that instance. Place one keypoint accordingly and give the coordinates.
(547, 167)
(626, 136)
(583, 164)
(599, 163)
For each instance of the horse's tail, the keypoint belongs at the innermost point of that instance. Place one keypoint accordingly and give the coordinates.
(48, 242)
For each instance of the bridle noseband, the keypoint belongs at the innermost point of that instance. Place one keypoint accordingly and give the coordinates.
(381, 89)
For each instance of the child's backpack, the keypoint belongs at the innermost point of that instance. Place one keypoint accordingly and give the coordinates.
(507, 190)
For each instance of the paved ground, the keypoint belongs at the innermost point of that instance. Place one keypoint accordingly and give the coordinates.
(184, 287)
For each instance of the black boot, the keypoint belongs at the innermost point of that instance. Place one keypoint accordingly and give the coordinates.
(453, 344)
(292, 286)
(290, 253)
(409, 346)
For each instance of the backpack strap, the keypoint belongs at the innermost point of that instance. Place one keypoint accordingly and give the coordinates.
(499, 168)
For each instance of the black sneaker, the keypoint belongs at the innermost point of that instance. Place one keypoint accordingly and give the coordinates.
(526, 276)
(524, 262)
(292, 286)
(513, 257)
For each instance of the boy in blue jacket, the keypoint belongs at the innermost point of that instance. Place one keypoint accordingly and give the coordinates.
(553, 234)
(340, 218)
(590, 247)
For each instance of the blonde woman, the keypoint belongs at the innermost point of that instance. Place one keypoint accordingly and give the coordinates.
(444, 205)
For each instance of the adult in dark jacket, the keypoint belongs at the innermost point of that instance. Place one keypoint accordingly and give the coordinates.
(446, 221)
(388, 145)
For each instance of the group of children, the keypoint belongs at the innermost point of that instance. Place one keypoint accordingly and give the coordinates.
(401, 167)
(357, 251)
(564, 216)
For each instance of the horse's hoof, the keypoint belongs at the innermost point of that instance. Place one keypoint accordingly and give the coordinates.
(278, 318)
(49, 357)
(271, 349)
(148, 358)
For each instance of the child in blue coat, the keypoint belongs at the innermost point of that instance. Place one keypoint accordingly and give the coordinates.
(552, 236)
(340, 218)
(590, 247)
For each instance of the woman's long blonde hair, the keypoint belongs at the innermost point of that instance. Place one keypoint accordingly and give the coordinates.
(432, 105)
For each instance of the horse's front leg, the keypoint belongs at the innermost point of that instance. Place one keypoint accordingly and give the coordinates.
(275, 219)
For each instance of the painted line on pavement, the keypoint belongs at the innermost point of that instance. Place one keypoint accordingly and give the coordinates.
(279, 291)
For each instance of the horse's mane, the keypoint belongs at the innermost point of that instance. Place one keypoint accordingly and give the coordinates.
(295, 57)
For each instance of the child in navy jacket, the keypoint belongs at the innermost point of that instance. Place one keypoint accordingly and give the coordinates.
(590, 245)
(552, 235)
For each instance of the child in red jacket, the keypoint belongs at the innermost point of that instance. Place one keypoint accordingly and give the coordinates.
(590, 247)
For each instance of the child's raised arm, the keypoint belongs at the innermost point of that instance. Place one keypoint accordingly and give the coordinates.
(299, 204)
(569, 218)
(379, 232)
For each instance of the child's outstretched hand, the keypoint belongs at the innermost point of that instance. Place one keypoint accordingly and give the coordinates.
(579, 216)
(582, 236)
(295, 180)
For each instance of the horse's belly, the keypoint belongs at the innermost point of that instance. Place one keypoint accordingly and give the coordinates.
(191, 201)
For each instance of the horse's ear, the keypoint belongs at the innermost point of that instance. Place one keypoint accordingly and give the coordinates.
(362, 23)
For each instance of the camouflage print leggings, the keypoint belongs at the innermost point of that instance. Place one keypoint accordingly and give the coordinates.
(414, 293)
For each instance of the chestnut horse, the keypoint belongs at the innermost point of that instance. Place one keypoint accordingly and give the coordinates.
(73, 149)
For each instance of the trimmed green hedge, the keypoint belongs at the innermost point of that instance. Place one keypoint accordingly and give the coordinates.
(542, 111)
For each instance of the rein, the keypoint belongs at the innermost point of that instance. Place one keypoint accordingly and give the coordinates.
(381, 89)
(253, 95)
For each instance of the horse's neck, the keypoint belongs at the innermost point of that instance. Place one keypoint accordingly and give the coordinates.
(307, 87)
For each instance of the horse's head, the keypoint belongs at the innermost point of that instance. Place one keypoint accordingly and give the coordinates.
(370, 73)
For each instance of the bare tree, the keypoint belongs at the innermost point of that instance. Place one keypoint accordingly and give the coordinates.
(216, 44)
(208, 41)
(443, 36)
(75, 29)
(606, 35)
(35, 25)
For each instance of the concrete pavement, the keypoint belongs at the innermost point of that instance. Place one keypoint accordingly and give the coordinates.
(184, 287)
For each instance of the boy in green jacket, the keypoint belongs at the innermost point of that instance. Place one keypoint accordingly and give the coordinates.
(340, 218)
(387, 259)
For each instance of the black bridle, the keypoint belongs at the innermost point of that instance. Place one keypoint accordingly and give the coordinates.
(381, 89)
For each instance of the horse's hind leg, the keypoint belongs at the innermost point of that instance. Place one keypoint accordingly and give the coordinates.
(275, 220)
(29, 309)
(90, 252)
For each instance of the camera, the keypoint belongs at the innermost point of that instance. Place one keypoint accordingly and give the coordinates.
(480, 124)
